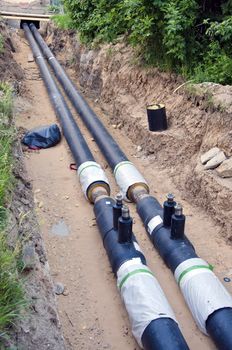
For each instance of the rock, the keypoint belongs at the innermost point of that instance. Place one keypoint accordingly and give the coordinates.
(139, 148)
(29, 257)
(225, 169)
(65, 292)
(215, 161)
(40, 205)
(209, 155)
(30, 58)
(58, 288)
(25, 201)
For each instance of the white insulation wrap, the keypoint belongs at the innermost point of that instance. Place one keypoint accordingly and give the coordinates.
(153, 223)
(90, 172)
(127, 175)
(142, 296)
(202, 290)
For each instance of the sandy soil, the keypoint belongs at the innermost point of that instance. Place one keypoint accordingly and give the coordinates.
(91, 312)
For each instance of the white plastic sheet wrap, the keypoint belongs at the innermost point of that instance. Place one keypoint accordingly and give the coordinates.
(90, 172)
(142, 296)
(202, 290)
(127, 175)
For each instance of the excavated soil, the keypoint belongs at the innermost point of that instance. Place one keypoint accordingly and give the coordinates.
(9, 69)
(90, 309)
(199, 117)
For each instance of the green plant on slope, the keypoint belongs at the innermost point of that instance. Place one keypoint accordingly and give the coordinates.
(1, 44)
(11, 290)
(5, 102)
(63, 21)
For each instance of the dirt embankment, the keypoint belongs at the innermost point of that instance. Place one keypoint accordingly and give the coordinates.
(39, 326)
(9, 70)
(199, 117)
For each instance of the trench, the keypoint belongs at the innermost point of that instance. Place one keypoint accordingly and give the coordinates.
(91, 312)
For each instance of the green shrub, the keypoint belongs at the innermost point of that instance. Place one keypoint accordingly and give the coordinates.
(63, 21)
(175, 35)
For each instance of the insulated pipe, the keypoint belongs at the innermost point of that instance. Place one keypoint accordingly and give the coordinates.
(90, 173)
(118, 161)
(153, 322)
(208, 300)
(114, 154)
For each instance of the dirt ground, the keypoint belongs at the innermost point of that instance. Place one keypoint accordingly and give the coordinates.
(90, 310)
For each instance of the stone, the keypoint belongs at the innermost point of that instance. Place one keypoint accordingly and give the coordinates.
(209, 155)
(215, 161)
(139, 148)
(225, 169)
(29, 257)
(40, 205)
(59, 288)
(30, 58)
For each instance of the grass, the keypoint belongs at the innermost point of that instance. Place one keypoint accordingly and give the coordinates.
(11, 288)
(1, 44)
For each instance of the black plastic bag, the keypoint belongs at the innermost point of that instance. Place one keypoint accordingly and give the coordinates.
(42, 137)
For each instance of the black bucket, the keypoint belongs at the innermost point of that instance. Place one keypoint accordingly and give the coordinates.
(157, 119)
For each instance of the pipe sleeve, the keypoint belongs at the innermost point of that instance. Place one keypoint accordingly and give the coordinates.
(142, 296)
(126, 175)
(90, 173)
(202, 290)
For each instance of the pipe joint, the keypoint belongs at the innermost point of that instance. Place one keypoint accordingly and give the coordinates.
(91, 175)
(127, 178)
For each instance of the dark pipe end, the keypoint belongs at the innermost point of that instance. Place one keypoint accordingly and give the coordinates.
(28, 22)
(219, 327)
(157, 119)
(163, 334)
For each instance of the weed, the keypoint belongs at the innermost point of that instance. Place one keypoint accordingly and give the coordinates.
(1, 44)
(11, 289)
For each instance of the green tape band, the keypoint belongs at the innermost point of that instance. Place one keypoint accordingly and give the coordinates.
(195, 267)
(135, 272)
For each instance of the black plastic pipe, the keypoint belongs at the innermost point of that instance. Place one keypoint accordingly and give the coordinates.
(106, 143)
(162, 333)
(173, 251)
(79, 148)
(176, 251)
